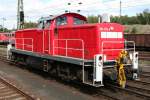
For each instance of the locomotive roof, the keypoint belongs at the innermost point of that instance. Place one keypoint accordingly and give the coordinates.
(52, 17)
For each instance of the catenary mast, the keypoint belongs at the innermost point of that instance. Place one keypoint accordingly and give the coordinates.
(20, 15)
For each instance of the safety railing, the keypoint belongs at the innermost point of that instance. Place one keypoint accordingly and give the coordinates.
(66, 47)
(24, 44)
(113, 49)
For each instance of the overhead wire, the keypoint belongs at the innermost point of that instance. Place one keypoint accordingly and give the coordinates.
(61, 7)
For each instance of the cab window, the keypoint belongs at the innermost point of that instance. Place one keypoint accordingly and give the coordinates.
(61, 21)
(78, 21)
(44, 24)
(47, 24)
(41, 25)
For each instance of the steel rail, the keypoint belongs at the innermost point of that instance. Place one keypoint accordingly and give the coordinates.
(139, 87)
(13, 87)
(21, 94)
(107, 95)
(143, 72)
(128, 90)
(144, 75)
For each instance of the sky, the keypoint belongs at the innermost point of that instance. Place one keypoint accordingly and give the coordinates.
(34, 9)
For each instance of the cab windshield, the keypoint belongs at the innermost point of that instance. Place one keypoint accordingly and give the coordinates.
(61, 21)
(78, 21)
(44, 24)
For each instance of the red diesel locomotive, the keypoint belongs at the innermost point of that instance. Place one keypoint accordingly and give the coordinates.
(6, 38)
(70, 48)
(3, 38)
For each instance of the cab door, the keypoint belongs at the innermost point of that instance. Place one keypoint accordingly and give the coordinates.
(46, 37)
(59, 42)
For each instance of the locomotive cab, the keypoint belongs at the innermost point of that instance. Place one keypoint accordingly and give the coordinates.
(67, 19)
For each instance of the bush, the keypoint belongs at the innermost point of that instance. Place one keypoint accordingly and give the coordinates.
(126, 31)
(134, 30)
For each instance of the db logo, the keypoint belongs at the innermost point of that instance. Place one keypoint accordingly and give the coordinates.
(107, 28)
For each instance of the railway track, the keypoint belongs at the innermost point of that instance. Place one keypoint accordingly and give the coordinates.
(134, 89)
(114, 92)
(4, 59)
(108, 94)
(145, 74)
(128, 92)
(8, 91)
(144, 55)
(148, 73)
(140, 87)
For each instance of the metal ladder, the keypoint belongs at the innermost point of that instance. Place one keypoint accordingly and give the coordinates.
(85, 81)
(45, 65)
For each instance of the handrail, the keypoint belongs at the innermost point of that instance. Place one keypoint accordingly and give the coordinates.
(23, 43)
(66, 46)
(118, 42)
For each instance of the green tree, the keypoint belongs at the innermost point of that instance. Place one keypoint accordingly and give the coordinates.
(140, 18)
(30, 25)
(92, 19)
(134, 30)
(115, 19)
(146, 14)
(4, 29)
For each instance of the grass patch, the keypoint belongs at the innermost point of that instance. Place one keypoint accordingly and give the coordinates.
(137, 29)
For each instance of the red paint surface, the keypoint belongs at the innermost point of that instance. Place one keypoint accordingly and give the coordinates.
(3, 37)
(90, 34)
